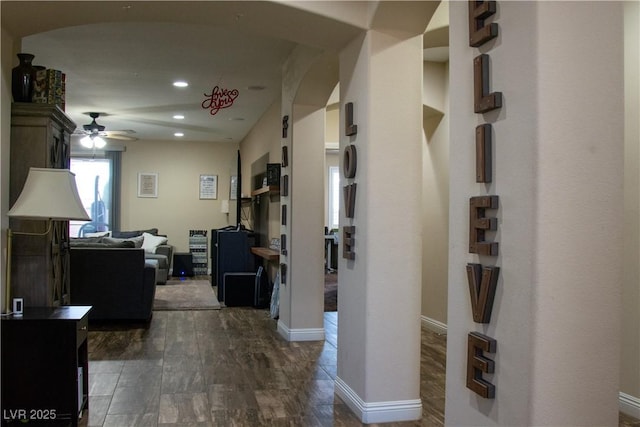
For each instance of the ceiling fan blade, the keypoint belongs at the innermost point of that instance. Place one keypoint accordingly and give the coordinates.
(121, 137)
(120, 132)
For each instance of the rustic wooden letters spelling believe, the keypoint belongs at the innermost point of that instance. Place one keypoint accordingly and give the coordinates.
(479, 32)
(477, 363)
(484, 101)
(482, 288)
(478, 223)
(483, 153)
(482, 281)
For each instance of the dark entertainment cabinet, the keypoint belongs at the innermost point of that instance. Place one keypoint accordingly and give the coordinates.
(230, 253)
(45, 366)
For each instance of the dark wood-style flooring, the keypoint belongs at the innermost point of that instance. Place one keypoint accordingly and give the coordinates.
(230, 367)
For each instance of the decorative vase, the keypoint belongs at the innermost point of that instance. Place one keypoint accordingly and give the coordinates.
(22, 78)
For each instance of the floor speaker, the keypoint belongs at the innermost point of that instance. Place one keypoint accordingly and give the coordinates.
(239, 289)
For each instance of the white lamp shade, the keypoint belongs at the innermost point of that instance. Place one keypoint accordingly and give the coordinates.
(49, 194)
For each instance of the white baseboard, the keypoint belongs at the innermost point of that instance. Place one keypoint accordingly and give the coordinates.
(629, 405)
(434, 325)
(378, 412)
(309, 334)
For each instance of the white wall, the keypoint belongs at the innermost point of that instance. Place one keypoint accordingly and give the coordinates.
(379, 290)
(630, 358)
(435, 195)
(178, 207)
(558, 171)
(263, 138)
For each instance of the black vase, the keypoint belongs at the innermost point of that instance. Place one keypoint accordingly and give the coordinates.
(22, 78)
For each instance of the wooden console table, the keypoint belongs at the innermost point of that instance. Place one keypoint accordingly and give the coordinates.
(45, 377)
(266, 253)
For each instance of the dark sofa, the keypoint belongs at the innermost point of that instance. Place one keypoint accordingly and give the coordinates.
(115, 281)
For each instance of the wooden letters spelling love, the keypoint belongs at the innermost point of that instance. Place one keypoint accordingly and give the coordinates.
(349, 168)
(482, 280)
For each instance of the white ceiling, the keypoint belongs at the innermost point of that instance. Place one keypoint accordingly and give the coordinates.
(125, 71)
(120, 58)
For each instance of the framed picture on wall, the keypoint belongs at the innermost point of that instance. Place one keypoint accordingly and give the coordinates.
(147, 184)
(208, 187)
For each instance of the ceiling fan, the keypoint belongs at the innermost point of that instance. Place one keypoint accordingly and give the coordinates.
(94, 134)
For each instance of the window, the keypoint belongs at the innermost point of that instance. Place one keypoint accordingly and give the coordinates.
(334, 197)
(96, 189)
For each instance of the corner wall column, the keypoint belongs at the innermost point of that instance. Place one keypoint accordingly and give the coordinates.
(558, 171)
(379, 293)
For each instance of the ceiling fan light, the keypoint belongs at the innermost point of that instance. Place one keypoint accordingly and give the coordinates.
(86, 142)
(99, 142)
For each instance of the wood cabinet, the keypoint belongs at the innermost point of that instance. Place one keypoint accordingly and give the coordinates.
(45, 362)
(40, 137)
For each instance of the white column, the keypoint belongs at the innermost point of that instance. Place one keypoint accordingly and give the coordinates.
(301, 296)
(557, 168)
(379, 290)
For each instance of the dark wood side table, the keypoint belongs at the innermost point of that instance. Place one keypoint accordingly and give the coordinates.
(45, 362)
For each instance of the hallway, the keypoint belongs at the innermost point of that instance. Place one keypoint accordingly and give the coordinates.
(230, 367)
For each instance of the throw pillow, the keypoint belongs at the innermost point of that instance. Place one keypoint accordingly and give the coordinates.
(151, 242)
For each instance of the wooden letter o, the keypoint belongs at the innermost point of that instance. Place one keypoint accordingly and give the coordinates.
(350, 161)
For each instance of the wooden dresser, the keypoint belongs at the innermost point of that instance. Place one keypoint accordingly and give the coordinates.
(40, 137)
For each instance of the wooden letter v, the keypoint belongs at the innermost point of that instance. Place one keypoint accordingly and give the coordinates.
(482, 287)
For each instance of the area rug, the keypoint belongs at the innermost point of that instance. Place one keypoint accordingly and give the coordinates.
(187, 294)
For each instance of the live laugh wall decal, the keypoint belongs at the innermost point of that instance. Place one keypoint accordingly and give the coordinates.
(218, 99)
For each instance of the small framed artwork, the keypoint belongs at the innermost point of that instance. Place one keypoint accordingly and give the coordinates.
(233, 188)
(208, 187)
(147, 184)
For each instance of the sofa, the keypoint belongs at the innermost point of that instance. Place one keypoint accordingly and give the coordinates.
(115, 281)
(157, 250)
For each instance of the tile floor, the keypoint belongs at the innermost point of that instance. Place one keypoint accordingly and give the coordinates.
(229, 367)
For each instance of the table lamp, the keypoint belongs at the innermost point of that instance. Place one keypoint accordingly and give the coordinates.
(49, 194)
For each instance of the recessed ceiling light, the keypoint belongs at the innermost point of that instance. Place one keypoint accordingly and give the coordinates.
(178, 134)
(180, 83)
(178, 117)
